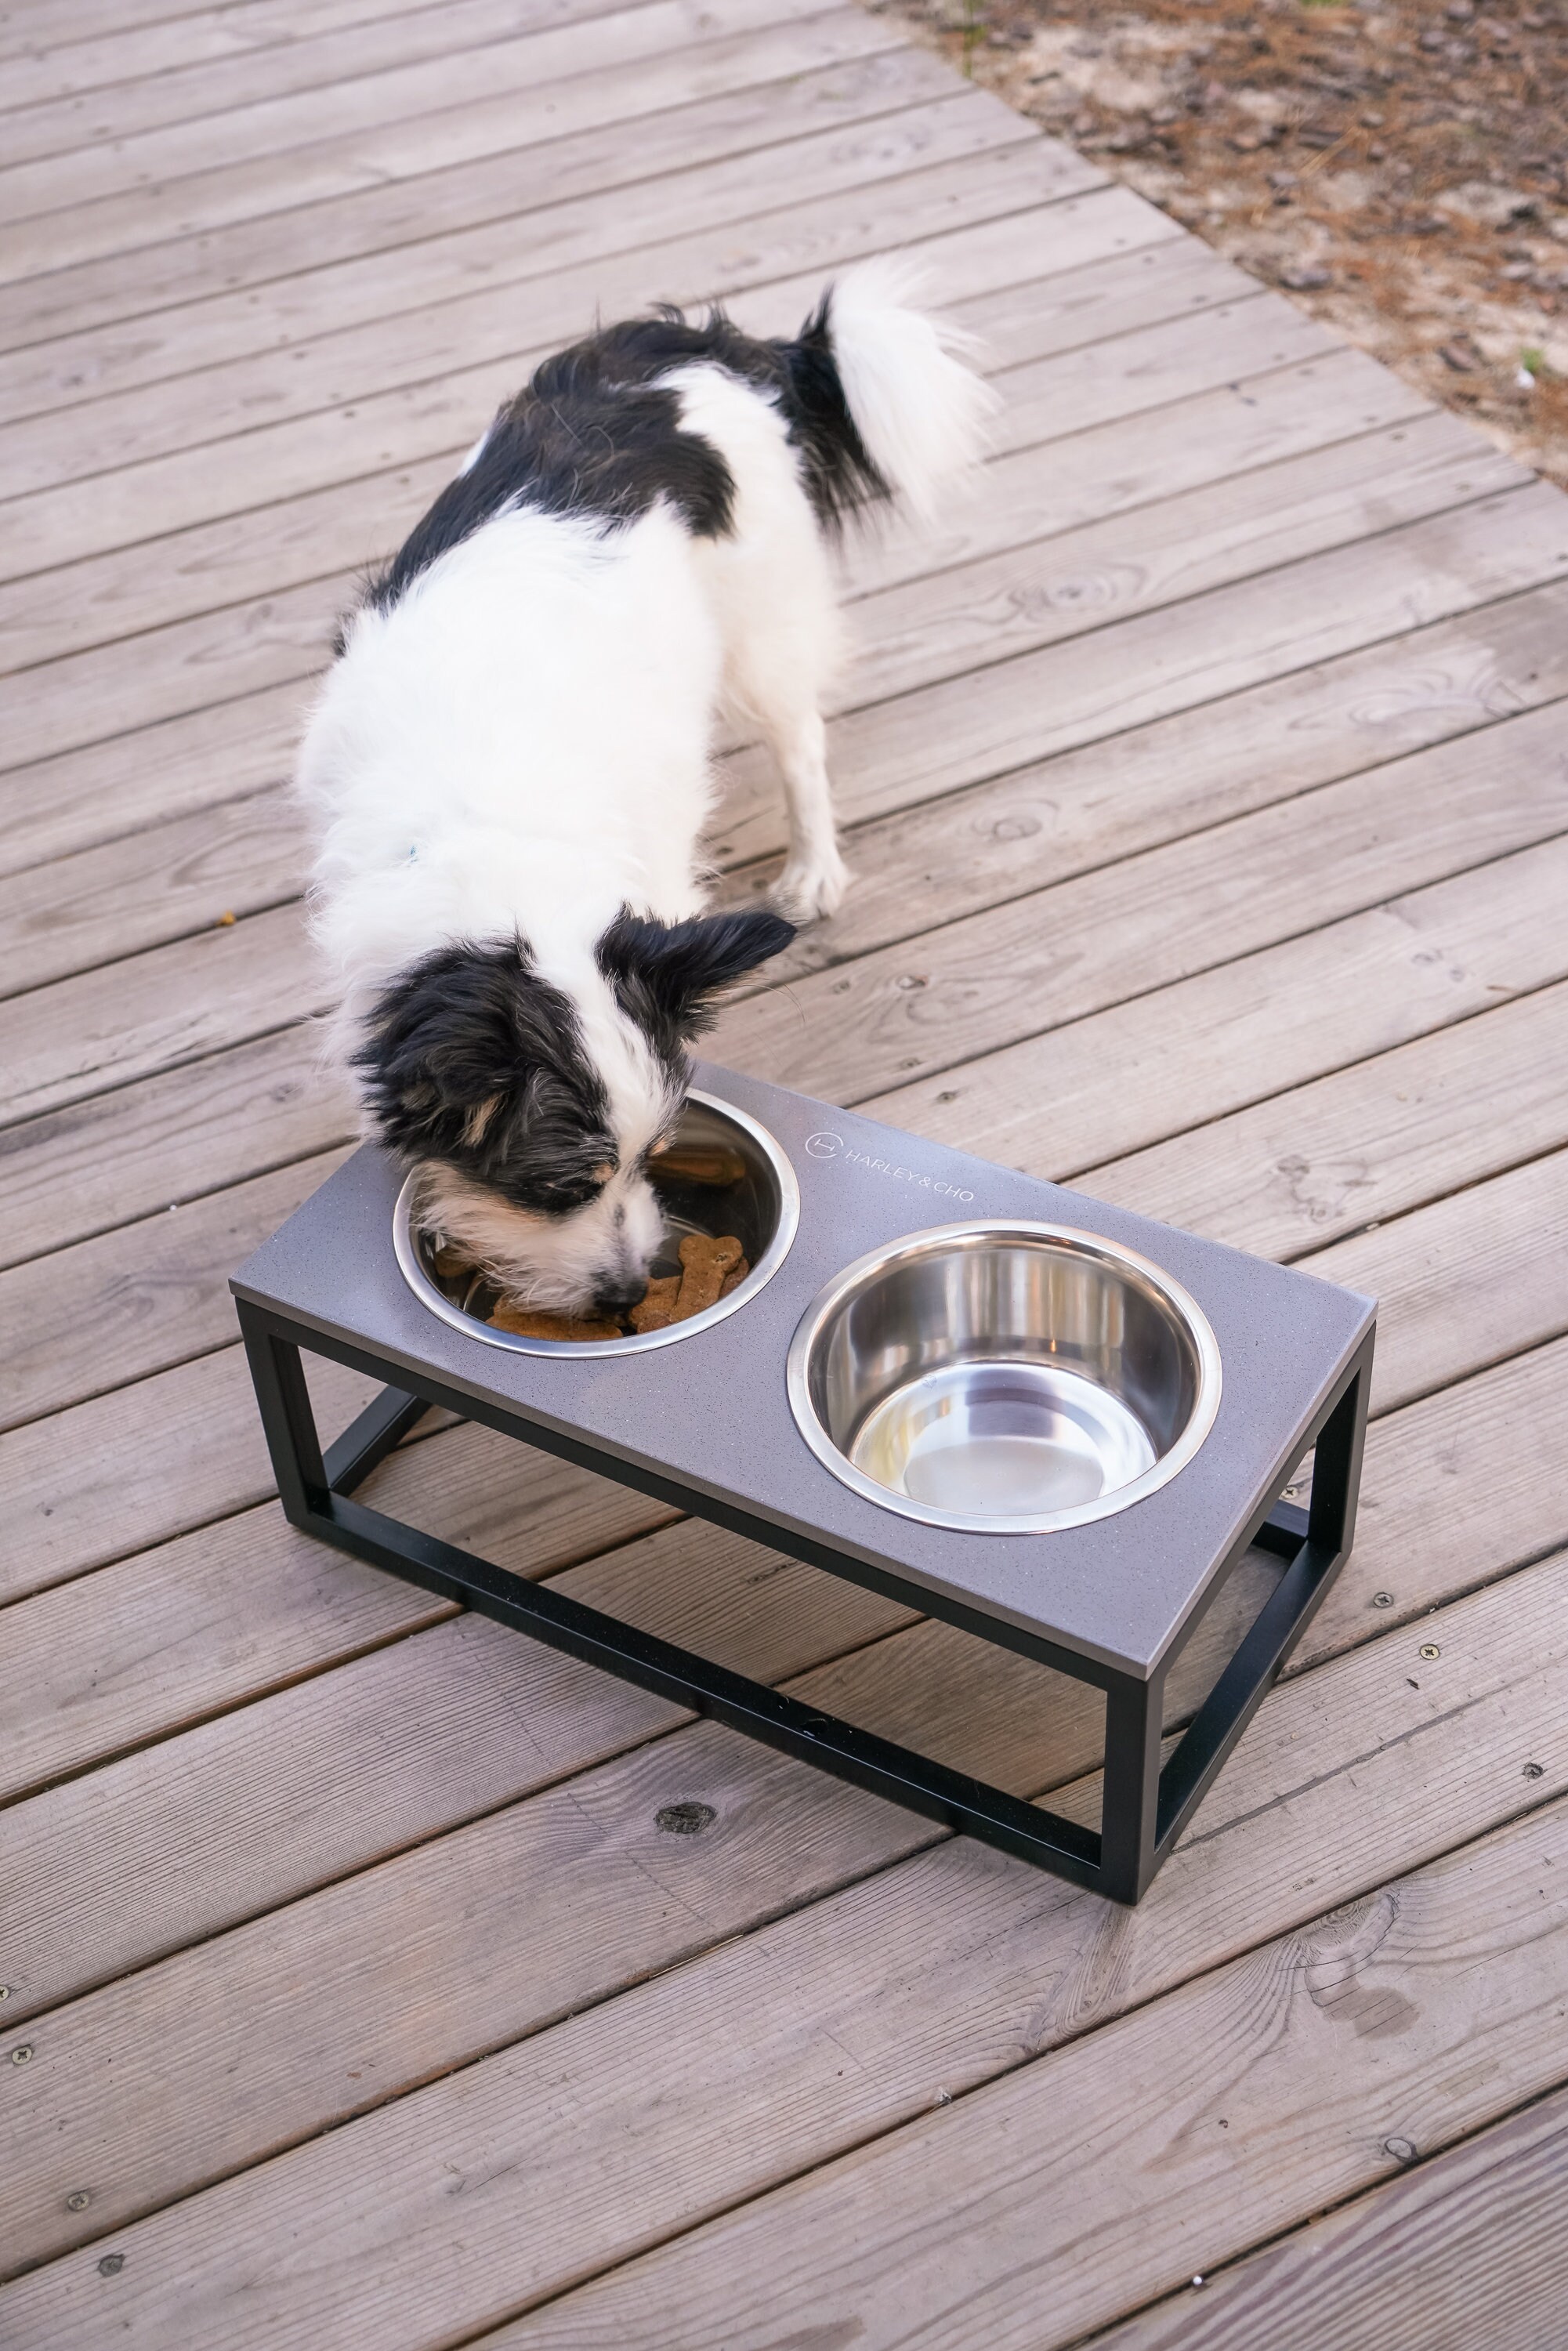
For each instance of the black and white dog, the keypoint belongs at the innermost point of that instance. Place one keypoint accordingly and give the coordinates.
(510, 764)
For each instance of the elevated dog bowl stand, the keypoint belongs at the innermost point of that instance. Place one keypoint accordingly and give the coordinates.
(704, 1424)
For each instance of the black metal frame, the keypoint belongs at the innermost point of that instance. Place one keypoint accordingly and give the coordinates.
(1143, 1809)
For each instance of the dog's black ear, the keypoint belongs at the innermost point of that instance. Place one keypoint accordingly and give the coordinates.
(667, 976)
(460, 1042)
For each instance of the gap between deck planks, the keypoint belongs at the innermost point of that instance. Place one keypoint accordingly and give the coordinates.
(86, 118)
(56, 56)
(123, 226)
(515, 60)
(737, 159)
(1467, 2248)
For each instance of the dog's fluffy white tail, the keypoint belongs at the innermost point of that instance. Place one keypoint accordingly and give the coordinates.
(923, 415)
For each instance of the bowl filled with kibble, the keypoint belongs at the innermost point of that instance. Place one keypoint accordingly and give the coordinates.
(731, 1206)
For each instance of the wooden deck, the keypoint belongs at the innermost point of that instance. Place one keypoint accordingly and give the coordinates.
(1208, 783)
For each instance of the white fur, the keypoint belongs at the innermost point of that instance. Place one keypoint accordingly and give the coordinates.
(521, 747)
(922, 415)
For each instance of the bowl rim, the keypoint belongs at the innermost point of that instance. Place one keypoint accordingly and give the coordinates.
(636, 1342)
(857, 1276)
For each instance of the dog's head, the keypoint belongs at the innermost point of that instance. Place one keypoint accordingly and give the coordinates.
(533, 1110)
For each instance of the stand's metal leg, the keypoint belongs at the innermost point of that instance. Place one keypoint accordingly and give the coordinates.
(288, 1421)
(366, 1442)
(1328, 1526)
(1129, 1804)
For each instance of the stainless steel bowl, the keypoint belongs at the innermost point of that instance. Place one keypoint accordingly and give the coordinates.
(762, 1207)
(1004, 1378)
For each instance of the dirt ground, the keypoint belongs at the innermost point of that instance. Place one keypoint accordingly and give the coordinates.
(1398, 166)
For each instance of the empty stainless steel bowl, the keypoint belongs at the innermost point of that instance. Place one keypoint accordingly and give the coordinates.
(762, 1207)
(1004, 1378)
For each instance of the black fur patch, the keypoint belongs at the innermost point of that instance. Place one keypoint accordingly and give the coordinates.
(592, 435)
(471, 1059)
(667, 977)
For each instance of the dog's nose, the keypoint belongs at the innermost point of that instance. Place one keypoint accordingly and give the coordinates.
(613, 1299)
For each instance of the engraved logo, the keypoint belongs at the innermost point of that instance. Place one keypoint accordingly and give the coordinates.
(825, 1145)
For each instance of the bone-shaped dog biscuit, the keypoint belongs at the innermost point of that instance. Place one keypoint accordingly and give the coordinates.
(656, 1307)
(704, 1264)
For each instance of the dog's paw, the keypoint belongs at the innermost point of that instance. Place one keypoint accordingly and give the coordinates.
(812, 890)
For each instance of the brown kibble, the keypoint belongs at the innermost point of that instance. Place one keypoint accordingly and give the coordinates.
(691, 1163)
(704, 1264)
(656, 1307)
(450, 1262)
(532, 1322)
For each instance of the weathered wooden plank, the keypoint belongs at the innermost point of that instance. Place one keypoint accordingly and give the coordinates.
(898, 754)
(243, 856)
(261, 255)
(238, 858)
(50, 112)
(1467, 2248)
(459, 1718)
(88, 1168)
(361, 329)
(48, 55)
(647, 55)
(1331, 1156)
(35, 26)
(140, 1465)
(150, 1295)
(601, 1826)
(108, 789)
(1473, 1468)
(174, 1004)
(943, 994)
(1076, 1096)
(317, 306)
(218, 1618)
(573, 2107)
(941, 213)
(1488, 1273)
(988, 2225)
